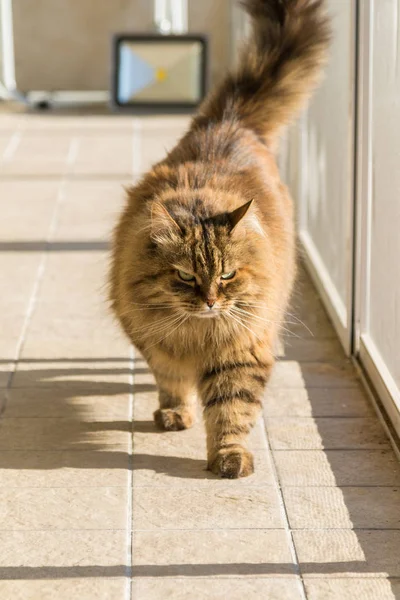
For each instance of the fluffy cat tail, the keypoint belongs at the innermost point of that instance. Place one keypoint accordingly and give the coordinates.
(279, 66)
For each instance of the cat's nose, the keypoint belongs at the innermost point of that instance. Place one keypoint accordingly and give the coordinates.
(210, 302)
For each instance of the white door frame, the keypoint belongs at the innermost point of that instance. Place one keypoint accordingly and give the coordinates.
(365, 350)
(341, 313)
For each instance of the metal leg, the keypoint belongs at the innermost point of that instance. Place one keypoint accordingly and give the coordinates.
(8, 86)
(171, 16)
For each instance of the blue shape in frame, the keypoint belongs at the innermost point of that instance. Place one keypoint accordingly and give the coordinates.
(134, 74)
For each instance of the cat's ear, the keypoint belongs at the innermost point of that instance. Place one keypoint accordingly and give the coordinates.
(245, 218)
(238, 214)
(162, 223)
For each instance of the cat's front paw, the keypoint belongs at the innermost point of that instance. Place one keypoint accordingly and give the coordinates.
(232, 462)
(173, 420)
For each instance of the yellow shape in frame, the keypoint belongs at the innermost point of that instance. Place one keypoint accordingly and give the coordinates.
(161, 74)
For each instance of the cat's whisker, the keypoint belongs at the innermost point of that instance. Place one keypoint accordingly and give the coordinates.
(291, 315)
(279, 323)
(245, 312)
(181, 321)
(268, 321)
(240, 321)
(159, 324)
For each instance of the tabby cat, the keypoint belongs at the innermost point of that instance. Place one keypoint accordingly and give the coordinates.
(204, 253)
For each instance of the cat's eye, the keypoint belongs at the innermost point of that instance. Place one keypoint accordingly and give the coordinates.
(186, 276)
(227, 276)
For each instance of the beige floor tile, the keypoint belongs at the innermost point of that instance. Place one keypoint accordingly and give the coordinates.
(309, 311)
(62, 554)
(347, 507)
(63, 508)
(103, 155)
(191, 588)
(62, 468)
(12, 116)
(42, 402)
(13, 306)
(94, 378)
(316, 402)
(27, 217)
(5, 137)
(338, 553)
(234, 553)
(330, 434)
(89, 211)
(312, 326)
(291, 374)
(307, 318)
(335, 375)
(337, 467)
(182, 508)
(65, 589)
(70, 338)
(75, 276)
(352, 589)
(63, 434)
(18, 273)
(6, 369)
(11, 331)
(95, 309)
(38, 155)
(312, 349)
(71, 123)
(317, 508)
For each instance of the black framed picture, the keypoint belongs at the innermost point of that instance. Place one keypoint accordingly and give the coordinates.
(158, 72)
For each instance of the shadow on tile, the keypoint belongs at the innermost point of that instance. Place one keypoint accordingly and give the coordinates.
(173, 466)
(61, 246)
(69, 413)
(177, 570)
(339, 528)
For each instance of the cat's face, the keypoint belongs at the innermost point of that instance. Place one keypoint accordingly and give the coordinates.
(206, 268)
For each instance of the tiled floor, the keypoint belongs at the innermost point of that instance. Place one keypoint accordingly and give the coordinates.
(88, 512)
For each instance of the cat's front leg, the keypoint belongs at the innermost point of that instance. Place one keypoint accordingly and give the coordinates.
(231, 394)
(176, 394)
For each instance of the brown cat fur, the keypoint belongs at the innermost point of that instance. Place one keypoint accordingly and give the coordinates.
(216, 206)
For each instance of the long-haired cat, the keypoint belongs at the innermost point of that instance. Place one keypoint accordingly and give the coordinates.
(204, 253)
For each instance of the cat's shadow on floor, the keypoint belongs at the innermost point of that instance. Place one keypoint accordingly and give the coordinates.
(171, 466)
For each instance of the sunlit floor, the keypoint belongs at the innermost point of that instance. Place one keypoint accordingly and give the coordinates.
(87, 512)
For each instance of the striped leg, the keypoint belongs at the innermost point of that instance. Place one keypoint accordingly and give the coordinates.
(231, 395)
(177, 403)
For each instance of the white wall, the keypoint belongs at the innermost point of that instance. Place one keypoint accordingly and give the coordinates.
(385, 234)
(323, 181)
(66, 44)
(379, 205)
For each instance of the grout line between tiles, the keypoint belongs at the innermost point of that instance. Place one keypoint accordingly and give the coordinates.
(40, 273)
(12, 146)
(384, 447)
(371, 417)
(159, 531)
(137, 141)
(76, 177)
(285, 515)
(353, 529)
(136, 161)
(129, 527)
